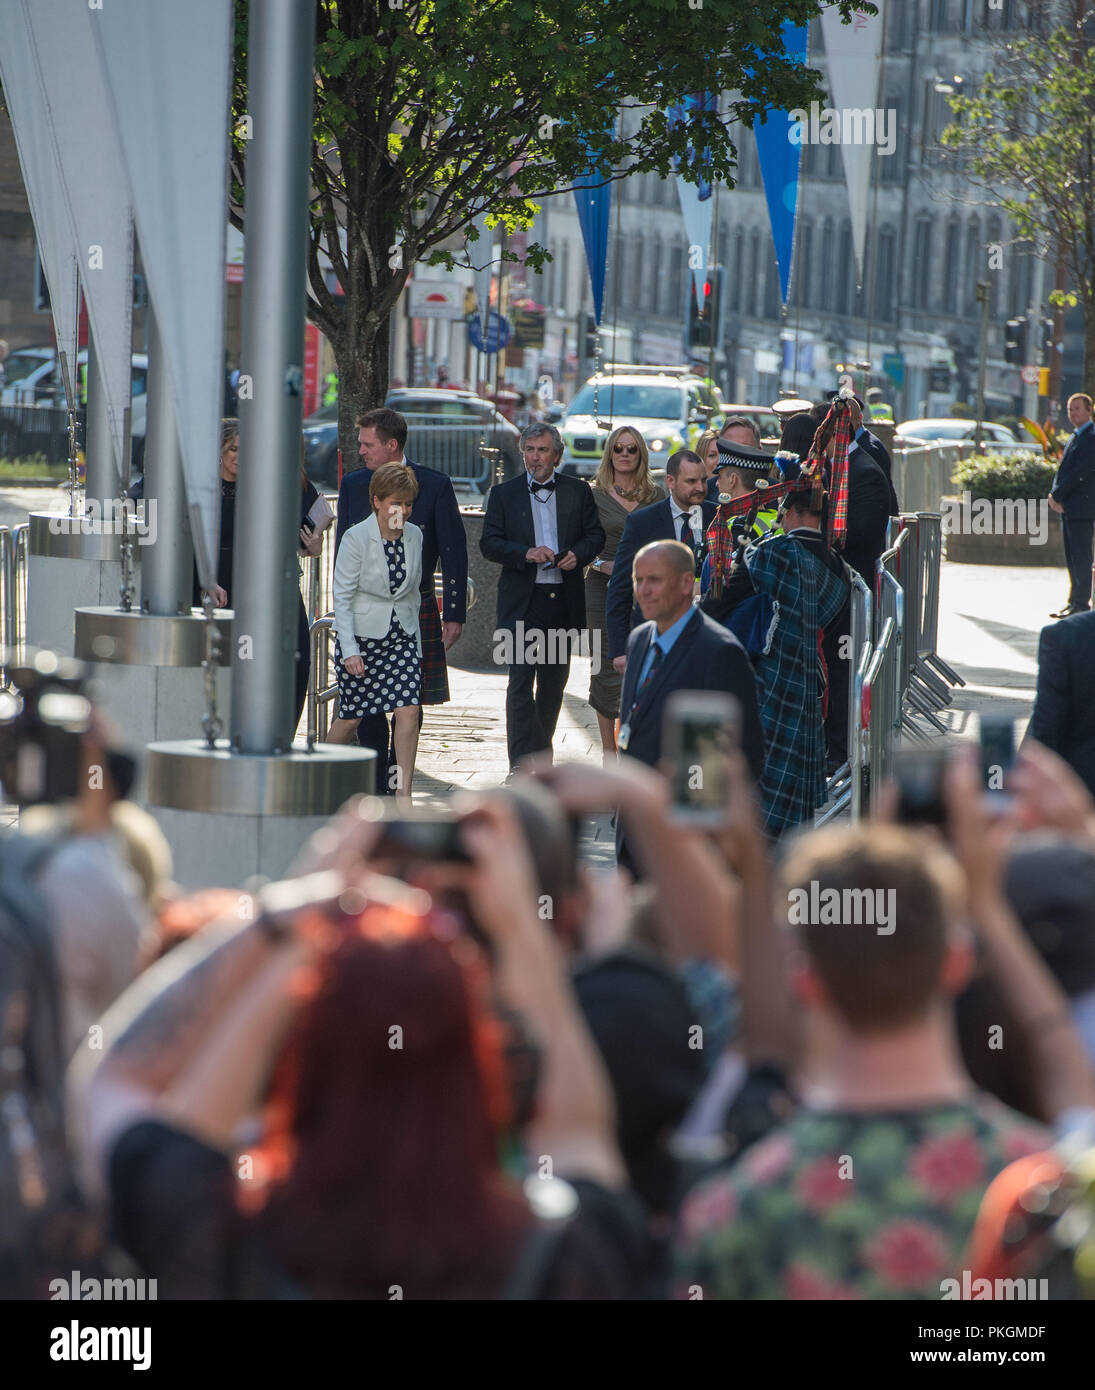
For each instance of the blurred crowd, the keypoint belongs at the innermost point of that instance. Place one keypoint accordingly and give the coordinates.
(443, 1058)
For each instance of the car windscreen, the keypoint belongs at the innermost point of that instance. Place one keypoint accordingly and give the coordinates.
(632, 399)
(20, 365)
(919, 430)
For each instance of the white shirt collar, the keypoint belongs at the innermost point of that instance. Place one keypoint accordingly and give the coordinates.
(532, 481)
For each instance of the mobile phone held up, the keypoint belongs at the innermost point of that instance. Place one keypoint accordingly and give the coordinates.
(997, 758)
(700, 728)
(425, 834)
(919, 774)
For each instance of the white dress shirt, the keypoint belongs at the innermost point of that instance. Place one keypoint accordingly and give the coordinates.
(545, 527)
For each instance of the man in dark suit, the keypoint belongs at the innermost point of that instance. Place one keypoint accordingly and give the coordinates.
(1064, 706)
(678, 648)
(543, 529)
(875, 447)
(1072, 496)
(871, 502)
(382, 438)
(686, 478)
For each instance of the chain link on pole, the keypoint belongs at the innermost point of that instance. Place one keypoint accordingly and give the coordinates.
(212, 724)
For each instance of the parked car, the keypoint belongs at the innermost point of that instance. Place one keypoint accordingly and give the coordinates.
(996, 439)
(669, 406)
(456, 432)
(32, 381)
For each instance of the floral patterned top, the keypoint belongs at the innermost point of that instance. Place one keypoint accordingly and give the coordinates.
(849, 1206)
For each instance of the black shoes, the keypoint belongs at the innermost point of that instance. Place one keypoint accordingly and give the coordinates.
(1072, 608)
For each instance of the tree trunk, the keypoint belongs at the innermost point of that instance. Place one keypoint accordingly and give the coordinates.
(1089, 345)
(362, 365)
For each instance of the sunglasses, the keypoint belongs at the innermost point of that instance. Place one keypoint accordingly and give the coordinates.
(625, 448)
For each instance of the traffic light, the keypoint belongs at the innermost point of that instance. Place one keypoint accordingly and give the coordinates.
(589, 330)
(1015, 342)
(1047, 340)
(703, 312)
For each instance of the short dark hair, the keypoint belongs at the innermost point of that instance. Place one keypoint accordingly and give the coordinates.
(389, 425)
(798, 434)
(673, 466)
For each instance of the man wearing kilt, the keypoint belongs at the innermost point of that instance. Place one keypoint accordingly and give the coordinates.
(382, 438)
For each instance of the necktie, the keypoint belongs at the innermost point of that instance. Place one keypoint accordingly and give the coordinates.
(686, 530)
(658, 654)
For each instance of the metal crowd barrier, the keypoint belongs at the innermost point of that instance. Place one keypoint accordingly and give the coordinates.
(13, 596)
(900, 684)
(845, 787)
(322, 685)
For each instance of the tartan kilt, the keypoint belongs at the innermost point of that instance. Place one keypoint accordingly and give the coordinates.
(435, 671)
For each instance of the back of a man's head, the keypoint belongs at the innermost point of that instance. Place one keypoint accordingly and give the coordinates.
(872, 907)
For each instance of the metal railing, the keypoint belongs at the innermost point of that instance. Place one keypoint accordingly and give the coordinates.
(845, 786)
(322, 685)
(27, 429)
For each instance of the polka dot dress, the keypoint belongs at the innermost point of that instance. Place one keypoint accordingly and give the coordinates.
(393, 668)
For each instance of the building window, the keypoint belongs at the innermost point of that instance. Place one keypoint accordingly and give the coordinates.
(889, 165)
(802, 264)
(884, 277)
(938, 18)
(751, 287)
(972, 272)
(921, 267)
(771, 289)
(562, 289)
(833, 163)
(995, 239)
(845, 271)
(737, 287)
(825, 267)
(655, 292)
(950, 268)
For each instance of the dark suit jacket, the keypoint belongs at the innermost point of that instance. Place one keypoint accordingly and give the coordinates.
(1064, 706)
(645, 524)
(436, 512)
(1074, 485)
(704, 657)
(881, 455)
(508, 534)
(869, 500)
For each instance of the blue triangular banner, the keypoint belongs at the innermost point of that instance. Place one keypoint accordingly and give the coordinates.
(779, 167)
(593, 198)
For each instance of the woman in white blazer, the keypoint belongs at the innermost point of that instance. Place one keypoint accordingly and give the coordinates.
(378, 647)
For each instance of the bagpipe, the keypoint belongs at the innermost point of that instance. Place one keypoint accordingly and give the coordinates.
(824, 470)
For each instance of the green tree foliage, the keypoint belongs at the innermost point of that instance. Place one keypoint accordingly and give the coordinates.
(1031, 127)
(429, 113)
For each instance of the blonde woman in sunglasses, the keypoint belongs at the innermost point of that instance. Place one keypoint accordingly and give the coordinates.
(622, 484)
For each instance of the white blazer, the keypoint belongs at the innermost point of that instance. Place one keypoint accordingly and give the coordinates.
(364, 603)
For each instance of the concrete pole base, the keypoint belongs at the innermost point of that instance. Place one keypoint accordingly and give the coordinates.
(65, 570)
(148, 674)
(230, 816)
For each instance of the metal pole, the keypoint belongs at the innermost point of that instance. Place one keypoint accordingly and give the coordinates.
(982, 364)
(101, 475)
(279, 90)
(167, 565)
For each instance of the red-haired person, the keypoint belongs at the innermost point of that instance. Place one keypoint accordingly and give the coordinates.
(369, 1044)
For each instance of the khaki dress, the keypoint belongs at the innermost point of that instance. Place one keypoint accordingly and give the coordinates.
(606, 683)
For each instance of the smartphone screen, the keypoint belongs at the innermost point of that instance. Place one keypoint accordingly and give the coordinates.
(918, 773)
(997, 753)
(701, 727)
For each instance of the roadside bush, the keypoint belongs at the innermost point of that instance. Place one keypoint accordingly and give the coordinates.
(1005, 476)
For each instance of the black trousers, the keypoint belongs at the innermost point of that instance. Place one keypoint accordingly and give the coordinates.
(534, 695)
(1078, 537)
